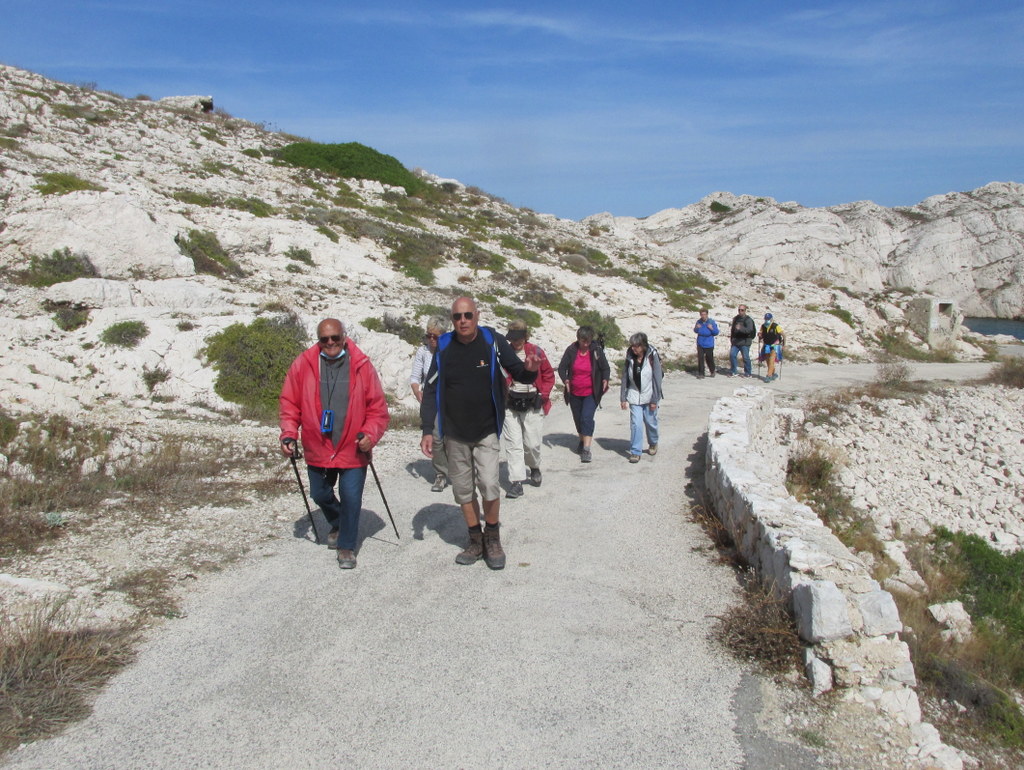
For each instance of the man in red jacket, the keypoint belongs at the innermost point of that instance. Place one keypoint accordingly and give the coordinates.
(332, 394)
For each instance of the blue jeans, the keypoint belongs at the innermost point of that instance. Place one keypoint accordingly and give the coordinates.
(583, 410)
(343, 513)
(745, 350)
(641, 416)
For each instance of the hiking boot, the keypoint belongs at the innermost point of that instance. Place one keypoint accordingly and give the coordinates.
(634, 458)
(652, 450)
(535, 476)
(494, 554)
(515, 490)
(712, 374)
(440, 482)
(332, 538)
(346, 559)
(474, 551)
(585, 455)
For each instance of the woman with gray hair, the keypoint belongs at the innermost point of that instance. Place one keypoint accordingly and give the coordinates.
(640, 392)
(436, 326)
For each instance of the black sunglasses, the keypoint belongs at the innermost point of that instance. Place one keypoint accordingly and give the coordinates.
(331, 338)
(468, 315)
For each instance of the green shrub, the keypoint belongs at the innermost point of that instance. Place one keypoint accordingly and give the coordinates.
(479, 258)
(391, 324)
(8, 428)
(719, 208)
(60, 266)
(253, 153)
(69, 318)
(843, 315)
(417, 254)
(195, 198)
(186, 326)
(351, 160)
(252, 361)
(300, 255)
(328, 232)
(254, 206)
(602, 325)
(153, 377)
(125, 334)
(509, 313)
(61, 183)
(207, 254)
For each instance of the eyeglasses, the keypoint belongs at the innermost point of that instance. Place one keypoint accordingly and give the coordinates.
(332, 338)
(468, 315)
(430, 336)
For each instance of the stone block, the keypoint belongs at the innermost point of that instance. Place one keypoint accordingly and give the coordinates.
(879, 613)
(821, 612)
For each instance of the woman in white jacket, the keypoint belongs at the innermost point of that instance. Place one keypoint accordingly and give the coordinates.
(640, 392)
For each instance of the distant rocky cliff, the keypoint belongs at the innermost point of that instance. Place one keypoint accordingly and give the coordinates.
(964, 246)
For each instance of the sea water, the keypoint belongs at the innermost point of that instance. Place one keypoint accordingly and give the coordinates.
(995, 326)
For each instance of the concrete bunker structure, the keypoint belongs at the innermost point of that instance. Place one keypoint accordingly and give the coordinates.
(936, 321)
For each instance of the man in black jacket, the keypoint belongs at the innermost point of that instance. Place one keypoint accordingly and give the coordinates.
(464, 393)
(741, 335)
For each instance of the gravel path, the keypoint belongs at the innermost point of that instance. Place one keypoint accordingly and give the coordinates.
(592, 647)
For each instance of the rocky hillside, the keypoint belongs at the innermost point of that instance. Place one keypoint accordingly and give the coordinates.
(964, 246)
(190, 221)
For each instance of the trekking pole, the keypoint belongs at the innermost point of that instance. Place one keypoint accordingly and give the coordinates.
(380, 489)
(296, 454)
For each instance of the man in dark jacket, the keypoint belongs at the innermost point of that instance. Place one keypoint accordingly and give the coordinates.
(464, 394)
(741, 335)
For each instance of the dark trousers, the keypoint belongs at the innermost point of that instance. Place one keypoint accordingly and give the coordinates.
(705, 358)
(341, 511)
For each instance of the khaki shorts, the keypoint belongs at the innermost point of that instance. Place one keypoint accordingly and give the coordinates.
(469, 462)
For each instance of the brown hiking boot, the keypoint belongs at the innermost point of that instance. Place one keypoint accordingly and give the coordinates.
(494, 555)
(474, 551)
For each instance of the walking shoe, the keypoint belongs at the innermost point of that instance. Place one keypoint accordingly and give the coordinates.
(440, 482)
(474, 551)
(346, 559)
(712, 374)
(634, 458)
(494, 554)
(535, 476)
(700, 376)
(332, 538)
(585, 456)
(652, 450)
(516, 490)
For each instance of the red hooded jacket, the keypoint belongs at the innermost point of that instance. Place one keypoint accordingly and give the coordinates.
(301, 409)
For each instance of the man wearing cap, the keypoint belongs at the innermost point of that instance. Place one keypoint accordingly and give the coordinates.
(772, 341)
(527, 404)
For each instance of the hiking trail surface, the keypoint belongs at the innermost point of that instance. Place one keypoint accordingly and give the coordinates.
(594, 647)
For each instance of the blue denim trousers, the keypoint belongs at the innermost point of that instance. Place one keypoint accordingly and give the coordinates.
(745, 351)
(341, 511)
(642, 417)
(583, 409)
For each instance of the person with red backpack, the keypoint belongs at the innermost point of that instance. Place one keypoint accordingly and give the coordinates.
(523, 431)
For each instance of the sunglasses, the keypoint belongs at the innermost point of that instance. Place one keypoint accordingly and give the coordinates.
(430, 336)
(468, 315)
(743, 309)
(331, 338)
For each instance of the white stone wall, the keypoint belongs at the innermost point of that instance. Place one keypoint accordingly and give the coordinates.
(850, 624)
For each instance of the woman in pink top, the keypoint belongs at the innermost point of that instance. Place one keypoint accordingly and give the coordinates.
(584, 372)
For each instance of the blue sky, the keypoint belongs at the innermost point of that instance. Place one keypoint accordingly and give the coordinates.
(573, 108)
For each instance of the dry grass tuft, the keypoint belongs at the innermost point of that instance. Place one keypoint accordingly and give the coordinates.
(49, 670)
(1009, 372)
(761, 630)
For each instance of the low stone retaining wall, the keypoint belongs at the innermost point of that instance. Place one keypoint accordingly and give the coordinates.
(851, 625)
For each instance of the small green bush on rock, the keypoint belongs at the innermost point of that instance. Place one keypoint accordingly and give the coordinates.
(207, 254)
(125, 334)
(59, 267)
(252, 361)
(353, 161)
